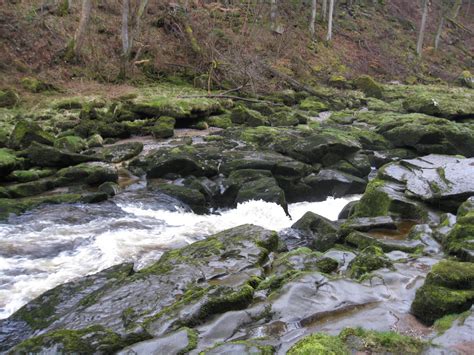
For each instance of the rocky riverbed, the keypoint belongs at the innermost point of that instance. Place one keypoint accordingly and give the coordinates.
(200, 224)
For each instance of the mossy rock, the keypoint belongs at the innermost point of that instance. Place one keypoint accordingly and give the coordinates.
(448, 289)
(221, 121)
(31, 188)
(8, 162)
(164, 127)
(93, 174)
(46, 156)
(370, 259)
(338, 81)
(433, 302)
(72, 144)
(313, 105)
(84, 341)
(319, 344)
(26, 132)
(243, 115)
(369, 86)
(284, 119)
(8, 98)
(459, 241)
(29, 175)
(254, 347)
(35, 85)
(120, 152)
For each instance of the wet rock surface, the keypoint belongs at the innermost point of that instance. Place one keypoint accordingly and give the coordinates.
(397, 262)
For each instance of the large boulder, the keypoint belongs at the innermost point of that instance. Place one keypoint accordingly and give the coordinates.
(252, 118)
(46, 156)
(448, 289)
(185, 287)
(460, 240)
(93, 174)
(26, 132)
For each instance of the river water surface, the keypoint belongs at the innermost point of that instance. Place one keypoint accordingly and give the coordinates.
(54, 244)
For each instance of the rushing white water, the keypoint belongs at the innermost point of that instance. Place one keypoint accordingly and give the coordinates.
(59, 243)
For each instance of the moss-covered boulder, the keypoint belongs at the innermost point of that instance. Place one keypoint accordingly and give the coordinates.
(370, 259)
(29, 175)
(164, 127)
(246, 116)
(448, 289)
(460, 240)
(26, 132)
(363, 240)
(31, 188)
(89, 340)
(451, 105)
(8, 98)
(8, 162)
(72, 144)
(220, 121)
(93, 174)
(369, 86)
(46, 156)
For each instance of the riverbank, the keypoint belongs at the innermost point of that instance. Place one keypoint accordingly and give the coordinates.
(179, 153)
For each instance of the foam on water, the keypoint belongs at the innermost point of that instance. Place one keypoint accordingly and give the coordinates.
(38, 254)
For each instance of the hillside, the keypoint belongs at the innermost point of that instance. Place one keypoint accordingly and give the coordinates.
(230, 43)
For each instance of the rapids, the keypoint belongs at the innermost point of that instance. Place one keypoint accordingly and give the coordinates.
(54, 244)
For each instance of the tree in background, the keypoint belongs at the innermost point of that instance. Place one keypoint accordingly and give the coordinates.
(131, 18)
(421, 34)
(74, 47)
(313, 18)
(330, 16)
(449, 9)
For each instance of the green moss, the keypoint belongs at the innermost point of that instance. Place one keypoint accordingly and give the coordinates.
(8, 162)
(433, 302)
(443, 324)
(164, 127)
(319, 344)
(459, 241)
(71, 143)
(327, 265)
(452, 274)
(275, 282)
(193, 337)
(221, 121)
(83, 341)
(382, 342)
(251, 346)
(29, 175)
(26, 132)
(368, 86)
(370, 259)
(310, 104)
(243, 115)
(375, 202)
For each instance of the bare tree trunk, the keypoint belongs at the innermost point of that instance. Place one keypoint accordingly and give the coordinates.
(313, 17)
(273, 12)
(439, 31)
(81, 29)
(324, 10)
(421, 33)
(125, 38)
(331, 11)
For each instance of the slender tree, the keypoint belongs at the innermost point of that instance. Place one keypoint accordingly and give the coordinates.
(313, 17)
(330, 15)
(273, 12)
(449, 8)
(130, 29)
(324, 9)
(421, 33)
(74, 47)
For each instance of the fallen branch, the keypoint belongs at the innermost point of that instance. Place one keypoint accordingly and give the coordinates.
(459, 25)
